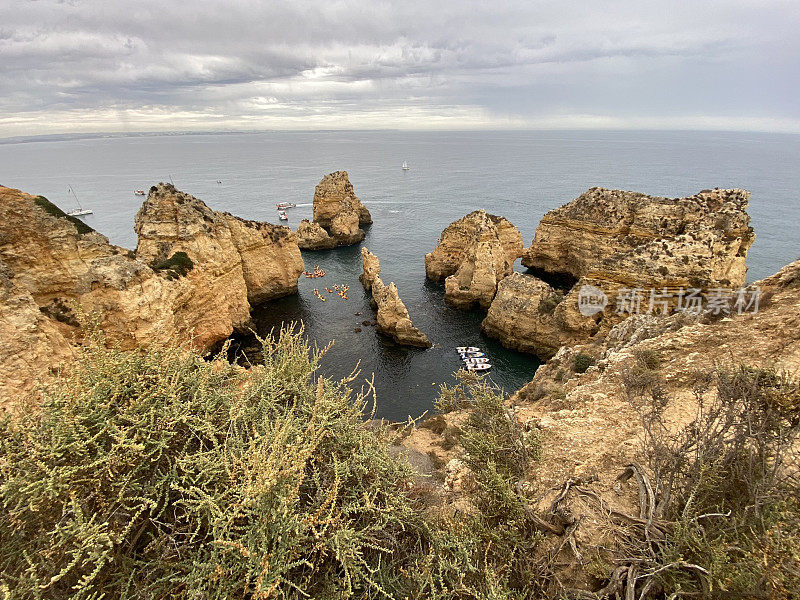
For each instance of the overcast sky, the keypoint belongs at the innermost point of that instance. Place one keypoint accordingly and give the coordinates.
(154, 65)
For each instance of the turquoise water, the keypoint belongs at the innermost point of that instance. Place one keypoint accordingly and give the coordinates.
(520, 175)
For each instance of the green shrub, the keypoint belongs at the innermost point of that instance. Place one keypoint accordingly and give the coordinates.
(52, 210)
(648, 358)
(160, 475)
(177, 265)
(728, 489)
(582, 363)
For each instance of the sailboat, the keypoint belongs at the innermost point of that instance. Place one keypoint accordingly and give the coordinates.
(405, 166)
(80, 211)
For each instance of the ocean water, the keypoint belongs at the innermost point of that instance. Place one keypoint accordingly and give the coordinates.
(520, 175)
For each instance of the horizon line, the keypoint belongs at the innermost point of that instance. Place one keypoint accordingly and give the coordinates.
(77, 135)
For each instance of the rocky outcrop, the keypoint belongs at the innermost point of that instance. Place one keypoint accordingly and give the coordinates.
(192, 278)
(635, 239)
(529, 315)
(634, 252)
(371, 269)
(260, 260)
(311, 236)
(474, 254)
(34, 345)
(393, 318)
(333, 196)
(338, 215)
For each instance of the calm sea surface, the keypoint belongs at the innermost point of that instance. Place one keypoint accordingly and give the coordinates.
(520, 175)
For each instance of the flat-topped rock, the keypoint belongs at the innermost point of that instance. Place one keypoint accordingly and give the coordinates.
(617, 243)
(634, 238)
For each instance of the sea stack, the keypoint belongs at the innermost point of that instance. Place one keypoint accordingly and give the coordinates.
(474, 254)
(610, 242)
(393, 318)
(338, 215)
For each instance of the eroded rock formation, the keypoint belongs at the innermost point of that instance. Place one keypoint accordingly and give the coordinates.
(371, 269)
(623, 244)
(193, 277)
(475, 253)
(393, 318)
(311, 236)
(338, 215)
(529, 315)
(258, 260)
(635, 239)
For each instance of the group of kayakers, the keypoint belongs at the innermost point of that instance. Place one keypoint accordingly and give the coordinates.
(341, 290)
(316, 273)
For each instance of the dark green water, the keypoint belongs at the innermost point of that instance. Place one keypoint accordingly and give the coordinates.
(406, 379)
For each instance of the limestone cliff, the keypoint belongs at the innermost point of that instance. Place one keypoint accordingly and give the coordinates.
(529, 315)
(393, 318)
(338, 215)
(191, 279)
(260, 260)
(624, 245)
(635, 239)
(474, 254)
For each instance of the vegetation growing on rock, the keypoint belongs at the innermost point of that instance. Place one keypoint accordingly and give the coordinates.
(177, 265)
(52, 210)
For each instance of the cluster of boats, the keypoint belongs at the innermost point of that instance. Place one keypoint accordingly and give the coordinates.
(282, 206)
(342, 291)
(317, 272)
(474, 359)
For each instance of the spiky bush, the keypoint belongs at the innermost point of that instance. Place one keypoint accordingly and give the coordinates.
(160, 475)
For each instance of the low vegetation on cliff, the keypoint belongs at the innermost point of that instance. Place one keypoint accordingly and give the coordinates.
(156, 474)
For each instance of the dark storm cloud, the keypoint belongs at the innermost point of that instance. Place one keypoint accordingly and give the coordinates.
(107, 65)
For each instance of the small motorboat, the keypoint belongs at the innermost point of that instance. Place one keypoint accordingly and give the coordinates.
(138, 192)
(476, 360)
(479, 367)
(467, 349)
(466, 355)
(282, 215)
(283, 205)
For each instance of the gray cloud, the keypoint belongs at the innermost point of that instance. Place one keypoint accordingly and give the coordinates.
(91, 65)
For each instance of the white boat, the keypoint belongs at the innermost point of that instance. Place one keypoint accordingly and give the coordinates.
(405, 166)
(282, 205)
(283, 216)
(467, 355)
(463, 349)
(479, 367)
(138, 192)
(476, 360)
(80, 211)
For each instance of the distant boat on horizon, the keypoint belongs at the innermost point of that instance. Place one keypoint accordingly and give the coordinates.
(405, 166)
(80, 211)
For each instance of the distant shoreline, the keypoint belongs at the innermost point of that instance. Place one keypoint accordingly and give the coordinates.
(67, 137)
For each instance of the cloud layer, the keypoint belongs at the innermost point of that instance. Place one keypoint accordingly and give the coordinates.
(112, 65)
